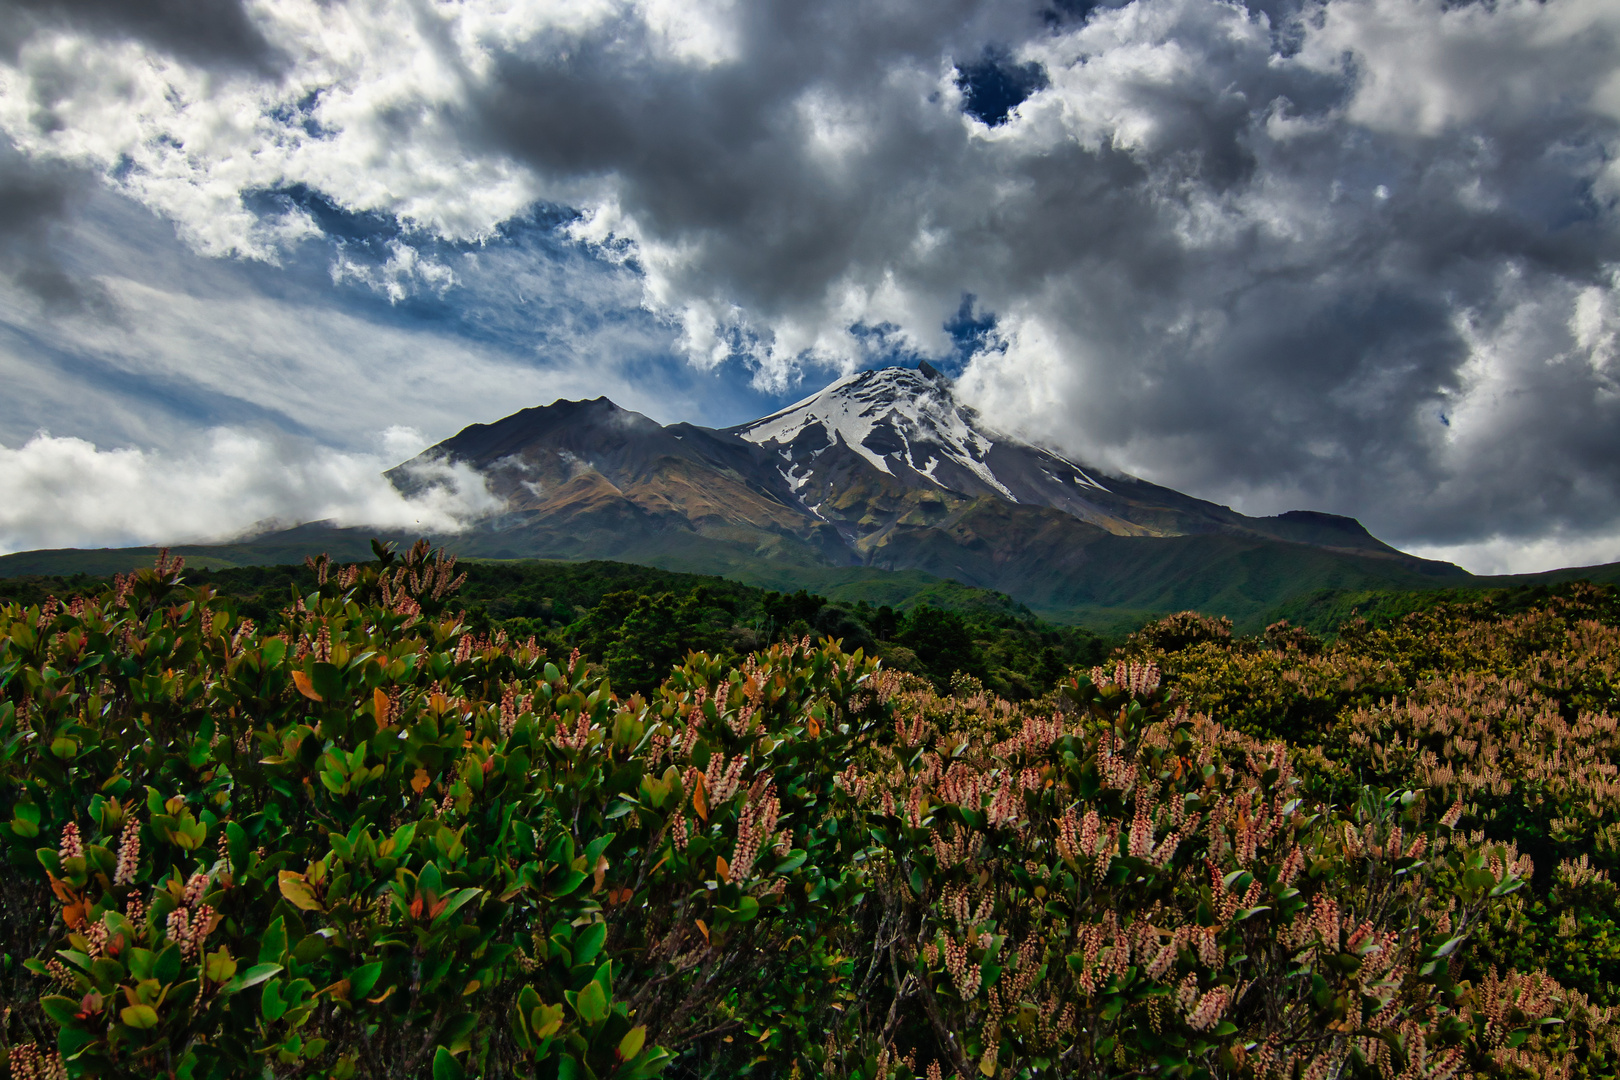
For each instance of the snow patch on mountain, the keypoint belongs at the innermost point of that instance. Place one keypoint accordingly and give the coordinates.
(872, 410)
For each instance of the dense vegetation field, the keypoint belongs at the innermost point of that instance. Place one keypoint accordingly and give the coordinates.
(368, 833)
(640, 621)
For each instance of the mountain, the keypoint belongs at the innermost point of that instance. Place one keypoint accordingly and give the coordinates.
(883, 454)
(886, 469)
(879, 485)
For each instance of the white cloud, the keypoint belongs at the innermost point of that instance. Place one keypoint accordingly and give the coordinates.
(57, 492)
(1421, 66)
(1526, 555)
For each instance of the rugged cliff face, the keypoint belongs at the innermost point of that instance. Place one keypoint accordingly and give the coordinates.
(883, 468)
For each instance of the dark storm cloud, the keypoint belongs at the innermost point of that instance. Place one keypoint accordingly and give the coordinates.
(35, 200)
(209, 32)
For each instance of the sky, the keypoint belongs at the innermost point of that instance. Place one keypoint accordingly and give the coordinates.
(1360, 256)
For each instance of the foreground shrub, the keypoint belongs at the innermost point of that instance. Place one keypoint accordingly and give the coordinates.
(379, 844)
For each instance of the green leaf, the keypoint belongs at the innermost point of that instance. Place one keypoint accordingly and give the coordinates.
(273, 942)
(236, 843)
(73, 1041)
(141, 1017)
(60, 1009)
(446, 1067)
(1450, 946)
(458, 900)
(220, 965)
(167, 967)
(589, 942)
(363, 978)
(545, 1020)
(794, 860)
(591, 1003)
(633, 1041)
(107, 972)
(253, 976)
(571, 881)
(402, 839)
(271, 1003)
(328, 681)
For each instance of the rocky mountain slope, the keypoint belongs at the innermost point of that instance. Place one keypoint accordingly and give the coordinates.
(886, 469)
(876, 487)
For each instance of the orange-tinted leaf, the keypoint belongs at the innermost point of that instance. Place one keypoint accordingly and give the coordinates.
(813, 727)
(379, 703)
(60, 888)
(305, 687)
(599, 873)
(702, 929)
(420, 781)
(722, 869)
(297, 891)
(700, 800)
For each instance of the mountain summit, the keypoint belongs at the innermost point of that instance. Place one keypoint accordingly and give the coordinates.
(883, 468)
(934, 454)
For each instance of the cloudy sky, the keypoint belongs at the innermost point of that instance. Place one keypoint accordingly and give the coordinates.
(1350, 255)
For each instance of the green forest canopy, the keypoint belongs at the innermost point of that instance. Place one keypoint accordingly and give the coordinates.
(641, 621)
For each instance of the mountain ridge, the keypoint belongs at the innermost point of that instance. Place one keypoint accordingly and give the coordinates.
(873, 453)
(886, 469)
(883, 471)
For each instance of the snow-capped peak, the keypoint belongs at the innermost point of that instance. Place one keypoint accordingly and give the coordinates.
(888, 416)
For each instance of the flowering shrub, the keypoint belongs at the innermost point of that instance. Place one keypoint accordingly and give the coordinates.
(1122, 888)
(1502, 710)
(378, 843)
